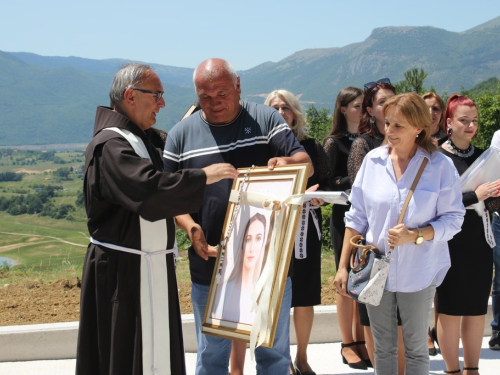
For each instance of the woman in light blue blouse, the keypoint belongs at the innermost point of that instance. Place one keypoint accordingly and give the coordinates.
(434, 215)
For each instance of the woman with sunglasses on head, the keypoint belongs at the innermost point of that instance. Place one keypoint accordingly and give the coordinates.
(337, 145)
(407, 162)
(436, 108)
(462, 298)
(371, 126)
(372, 133)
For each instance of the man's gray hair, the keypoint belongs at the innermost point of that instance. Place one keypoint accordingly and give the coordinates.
(129, 75)
(214, 68)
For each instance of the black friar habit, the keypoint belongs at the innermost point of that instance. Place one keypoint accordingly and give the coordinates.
(127, 199)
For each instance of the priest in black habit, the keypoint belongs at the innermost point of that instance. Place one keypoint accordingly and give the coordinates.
(130, 320)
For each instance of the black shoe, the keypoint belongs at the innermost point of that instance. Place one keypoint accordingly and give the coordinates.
(433, 335)
(495, 340)
(367, 361)
(361, 365)
(433, 350)
(298, 372)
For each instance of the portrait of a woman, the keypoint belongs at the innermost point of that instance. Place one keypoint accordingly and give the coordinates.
(249, 261)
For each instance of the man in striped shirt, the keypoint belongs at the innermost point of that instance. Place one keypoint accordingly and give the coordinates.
(230, 130)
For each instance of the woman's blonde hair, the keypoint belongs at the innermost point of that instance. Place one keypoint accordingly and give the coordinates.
(415, 111)
(299, 126)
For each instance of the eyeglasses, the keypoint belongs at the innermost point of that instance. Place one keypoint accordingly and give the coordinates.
(158, 94)
(371, 85)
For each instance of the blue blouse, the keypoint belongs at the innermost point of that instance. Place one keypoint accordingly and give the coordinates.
(376, 203)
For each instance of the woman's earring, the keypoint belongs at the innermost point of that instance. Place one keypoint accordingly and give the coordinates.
(416, 136)
(448, 132)
(372, 120)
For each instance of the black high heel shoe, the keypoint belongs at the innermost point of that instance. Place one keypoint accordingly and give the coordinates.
(432, 334)
(298, 372)
(367, 361)
(361, 365)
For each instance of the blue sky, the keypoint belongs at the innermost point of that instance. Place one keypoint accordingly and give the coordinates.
(246, 33)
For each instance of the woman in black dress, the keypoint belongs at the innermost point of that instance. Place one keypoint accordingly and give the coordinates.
(337, 145)
(306, 279)
(462, 298)
(437, 109)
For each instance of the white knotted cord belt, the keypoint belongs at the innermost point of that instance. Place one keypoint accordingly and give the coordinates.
(148, 256)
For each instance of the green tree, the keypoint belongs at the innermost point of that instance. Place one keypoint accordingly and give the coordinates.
(79, 198)
(63, 211)
(63, 173)
(319, 122)
(489, 117)
(34, 203)
(414, 81)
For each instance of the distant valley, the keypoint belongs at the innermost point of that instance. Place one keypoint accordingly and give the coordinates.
(52, 100)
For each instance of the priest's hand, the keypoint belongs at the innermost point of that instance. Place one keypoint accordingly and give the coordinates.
(200, 245)
(217, 172)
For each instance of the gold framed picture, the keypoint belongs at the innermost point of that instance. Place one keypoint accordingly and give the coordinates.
(255, 253)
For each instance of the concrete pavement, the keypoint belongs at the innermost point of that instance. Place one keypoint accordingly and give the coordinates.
(49, 349)
(324, 358)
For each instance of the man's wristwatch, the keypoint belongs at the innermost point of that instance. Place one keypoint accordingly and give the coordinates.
(420, 237)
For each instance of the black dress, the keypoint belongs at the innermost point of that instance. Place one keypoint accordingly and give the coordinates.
(466, 288)
(306, 279)
(337, 150)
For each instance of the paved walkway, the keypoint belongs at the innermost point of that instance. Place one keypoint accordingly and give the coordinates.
(324, 358)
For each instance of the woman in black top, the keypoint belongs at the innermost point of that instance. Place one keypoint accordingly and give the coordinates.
(436, 108)
(337, 145)
(306, 279)
(462, 298)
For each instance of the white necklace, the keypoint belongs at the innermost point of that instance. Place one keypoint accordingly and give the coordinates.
(459, 152)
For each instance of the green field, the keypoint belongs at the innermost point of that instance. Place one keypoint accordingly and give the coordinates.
(46, 248)
(41, 243)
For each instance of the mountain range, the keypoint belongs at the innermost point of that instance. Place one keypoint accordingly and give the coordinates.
(52, 100)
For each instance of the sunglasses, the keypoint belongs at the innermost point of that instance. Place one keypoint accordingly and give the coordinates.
(158, 94)
(371, 85)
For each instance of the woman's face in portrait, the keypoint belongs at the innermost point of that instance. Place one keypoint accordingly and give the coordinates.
(283, 109)
(253, 244)
(464, 123)
(379, 99)
(399, 133)
(352, 112)
(436, 113)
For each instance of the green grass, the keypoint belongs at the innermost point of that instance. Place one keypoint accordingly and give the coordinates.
(39, 245)
(42, 242)
(328, 268)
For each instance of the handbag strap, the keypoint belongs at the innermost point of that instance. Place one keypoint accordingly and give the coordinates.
(407, 201)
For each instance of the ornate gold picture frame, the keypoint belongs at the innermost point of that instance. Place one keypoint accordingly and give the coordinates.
(255, 253)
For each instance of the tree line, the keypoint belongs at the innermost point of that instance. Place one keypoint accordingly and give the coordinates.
(40, 202)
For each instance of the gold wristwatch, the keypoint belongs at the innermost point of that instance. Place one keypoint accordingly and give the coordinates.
(420, 237)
